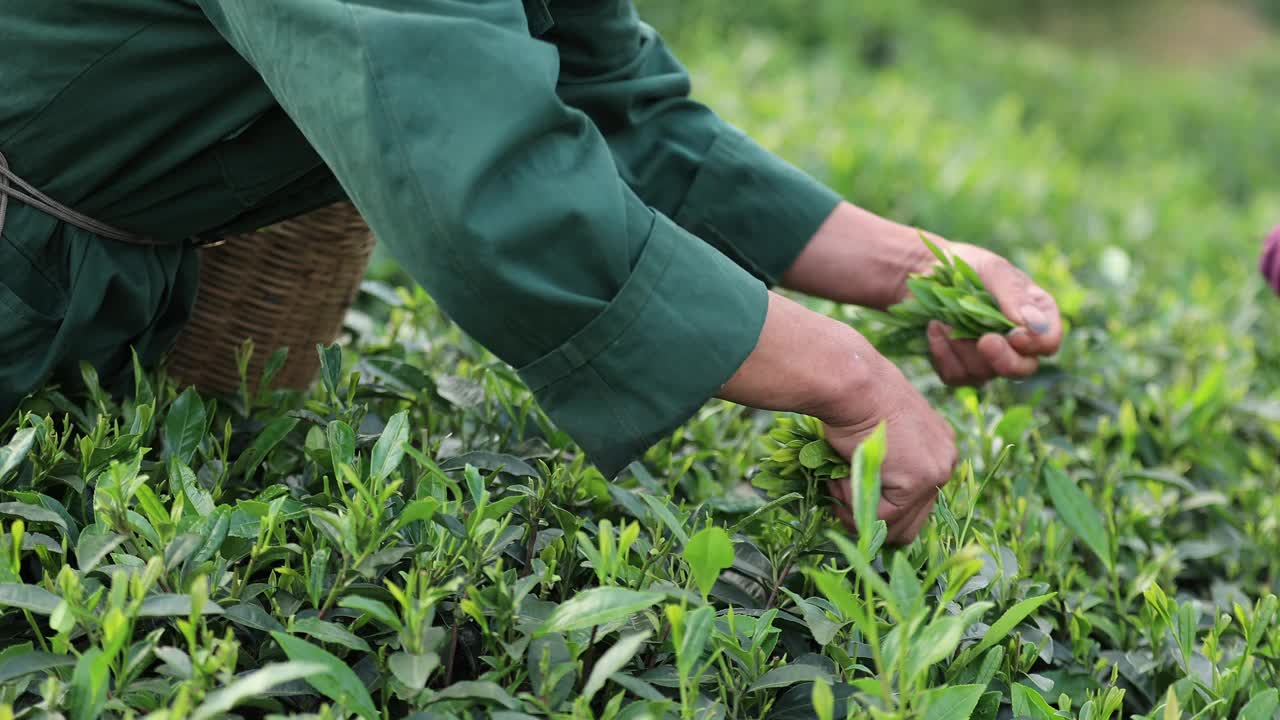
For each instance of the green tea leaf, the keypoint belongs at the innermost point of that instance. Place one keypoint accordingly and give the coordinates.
(338, 683)
(943, 258)
(389, 449)
(342, 444)
(967, 272)
(1029, 703)
(252, 616)
(1008, 621)
(262, 446)
(814, 455)
(331, 368)
(936, 643)
(1016, 421)
(275, 363)
(708, 552)
(822, 627)
(94, 544)
(89, 684)
(866, 463)
(598, 606)
(697, 631)
(17, 449)
(184, 426)
(823, 701)
(952, 703)
(186, 483)
(1078, 513)
(659, 508)
(988, 706)
(167, 605)
(373, 608)
(419, 510)
(1262, 706)
(477, 690)
(836, 589)
(28, 661)
(905, 583)
(490, 462)
(218, 527)
(990, 665)
(328, 632)
(413, 670)
(34, 513)
(613, 660)
(28, 597)
(555, 651)
(253, 684)
(789, 675)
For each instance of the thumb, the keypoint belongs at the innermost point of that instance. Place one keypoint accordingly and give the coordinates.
(1029, 306)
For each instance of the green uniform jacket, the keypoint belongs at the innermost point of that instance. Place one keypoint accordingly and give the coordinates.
(537, 166)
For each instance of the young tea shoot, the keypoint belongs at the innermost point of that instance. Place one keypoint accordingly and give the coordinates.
(952, 293)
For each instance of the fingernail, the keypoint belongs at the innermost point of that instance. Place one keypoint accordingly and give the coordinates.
(1035, 319)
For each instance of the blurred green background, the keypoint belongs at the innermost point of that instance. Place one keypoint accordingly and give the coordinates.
(1003, 121)
(1126, 153)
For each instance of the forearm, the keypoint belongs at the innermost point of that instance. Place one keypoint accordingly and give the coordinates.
(860, 258)
(805, 362)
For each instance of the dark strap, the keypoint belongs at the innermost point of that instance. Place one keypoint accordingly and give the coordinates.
(12, 186)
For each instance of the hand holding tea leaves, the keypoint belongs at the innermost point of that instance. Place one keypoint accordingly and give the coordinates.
(907, 478)
(842, 382)
(977, 315)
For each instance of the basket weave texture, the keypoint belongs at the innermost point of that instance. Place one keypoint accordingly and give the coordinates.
(286, 285)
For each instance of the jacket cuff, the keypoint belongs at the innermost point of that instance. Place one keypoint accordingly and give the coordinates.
(682, 324)
(754, 206)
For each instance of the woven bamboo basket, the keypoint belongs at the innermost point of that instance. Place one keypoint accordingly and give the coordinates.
(286, 285)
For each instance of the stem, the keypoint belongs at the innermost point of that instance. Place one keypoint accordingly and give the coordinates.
(533, 541)
(653, 659)
(773, 594)
(453, 653)
(35, 627)
(588, 664)
(874, 641)
(243, 578)
(338, 583)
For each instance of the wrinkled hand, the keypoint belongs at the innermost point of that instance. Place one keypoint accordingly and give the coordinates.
(1015, 355)
(920, 453)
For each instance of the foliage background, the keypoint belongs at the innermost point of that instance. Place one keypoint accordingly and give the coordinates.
(413, 538)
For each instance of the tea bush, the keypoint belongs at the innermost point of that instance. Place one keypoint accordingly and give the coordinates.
(414, 538)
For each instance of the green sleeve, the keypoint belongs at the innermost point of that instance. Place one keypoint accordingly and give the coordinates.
(678, 155)
(442, 122)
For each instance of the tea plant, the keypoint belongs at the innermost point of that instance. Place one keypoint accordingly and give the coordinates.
(951, 293)
(413, 538)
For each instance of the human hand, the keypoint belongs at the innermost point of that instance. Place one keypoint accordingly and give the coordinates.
(808, 363)
(920, 452)
(1013, 355)
(860, 258)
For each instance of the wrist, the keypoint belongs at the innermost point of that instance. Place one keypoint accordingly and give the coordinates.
(846, 395)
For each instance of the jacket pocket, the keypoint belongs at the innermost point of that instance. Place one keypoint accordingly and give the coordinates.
(32, 300)
(23, 330)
